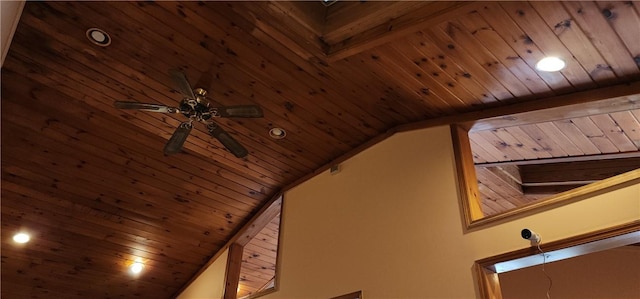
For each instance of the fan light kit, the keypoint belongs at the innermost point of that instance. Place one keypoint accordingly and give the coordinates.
(98, 37)
(21, 238)
(550, 64)
(277, 133)
(196, 107)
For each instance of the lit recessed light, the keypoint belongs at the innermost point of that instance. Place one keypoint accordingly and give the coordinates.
(21, 238)
(277, 133)
(550, 64)
(136, 267)
(98, 37)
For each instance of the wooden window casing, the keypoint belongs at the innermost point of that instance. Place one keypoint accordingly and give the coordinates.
(472, 214)
(622, 235)
(239, 243)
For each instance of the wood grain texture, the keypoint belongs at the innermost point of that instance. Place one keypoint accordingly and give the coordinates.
(487, 276)
(93, 185)
(259, 259)
(234, 266)
(557, 156)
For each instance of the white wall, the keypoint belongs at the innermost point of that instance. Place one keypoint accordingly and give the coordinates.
(210, 284)
(389, 224)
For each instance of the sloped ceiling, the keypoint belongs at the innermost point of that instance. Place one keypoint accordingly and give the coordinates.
(92, 185)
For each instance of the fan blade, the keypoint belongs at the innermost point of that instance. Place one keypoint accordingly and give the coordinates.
(180, 79)
(247, 111)
(231, 144)
(144, 107)
(178, 138)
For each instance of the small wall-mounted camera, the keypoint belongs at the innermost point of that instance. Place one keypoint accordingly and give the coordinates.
(530, 235)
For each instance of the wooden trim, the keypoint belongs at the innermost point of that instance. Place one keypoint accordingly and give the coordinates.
(471, 217)
(264, 290)
(242, 232)
(467, 181)
(234, 264)
(565, 253)
(462, 120)
(620, 92)
(602, 106)
(401, 26)
(563, 183)
(354, 295)
(466, 120)
(10, 21)
(261, 293)
(488, 282)
(564, 159)
(598, 235)
(309, 14)
(547, 190)
(276, 285)
(257, 223)
(487, 278)
(571, 196)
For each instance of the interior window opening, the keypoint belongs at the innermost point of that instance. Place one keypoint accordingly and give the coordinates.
(517, 162)
(252, 265)
(259, 259)
(517, 165)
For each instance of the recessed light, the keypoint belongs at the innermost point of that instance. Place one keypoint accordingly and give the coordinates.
(277, 133)
(550, 64)
(21, 238)
(98, 37)
(136, 267)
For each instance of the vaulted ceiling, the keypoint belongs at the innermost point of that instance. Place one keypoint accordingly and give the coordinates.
(93, 186)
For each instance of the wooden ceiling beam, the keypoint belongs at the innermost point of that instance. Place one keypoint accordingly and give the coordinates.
(424, 17)
(259, 220)
(346, 29)
(290, 30)
(310, 14)
(576, 173)
(509, 177)
(564, 159)
(623, 94)
(616, 104)
(234, 263)
(548, 189)
(346, 19)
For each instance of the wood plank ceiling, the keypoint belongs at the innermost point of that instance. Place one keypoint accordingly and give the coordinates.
(519, 164)
(91, 183)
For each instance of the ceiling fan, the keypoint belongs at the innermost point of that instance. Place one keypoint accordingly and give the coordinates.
(196, 107)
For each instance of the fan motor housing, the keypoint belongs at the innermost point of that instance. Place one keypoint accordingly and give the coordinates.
(199, 110)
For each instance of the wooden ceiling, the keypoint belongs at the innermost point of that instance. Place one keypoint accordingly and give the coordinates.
(258, 266)
(519, 164)
(91, 182)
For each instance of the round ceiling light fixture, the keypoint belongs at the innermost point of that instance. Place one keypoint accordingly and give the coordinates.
(21, 238)
(98, 37)
(550, 64)
(277, 133)
(136, 267)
